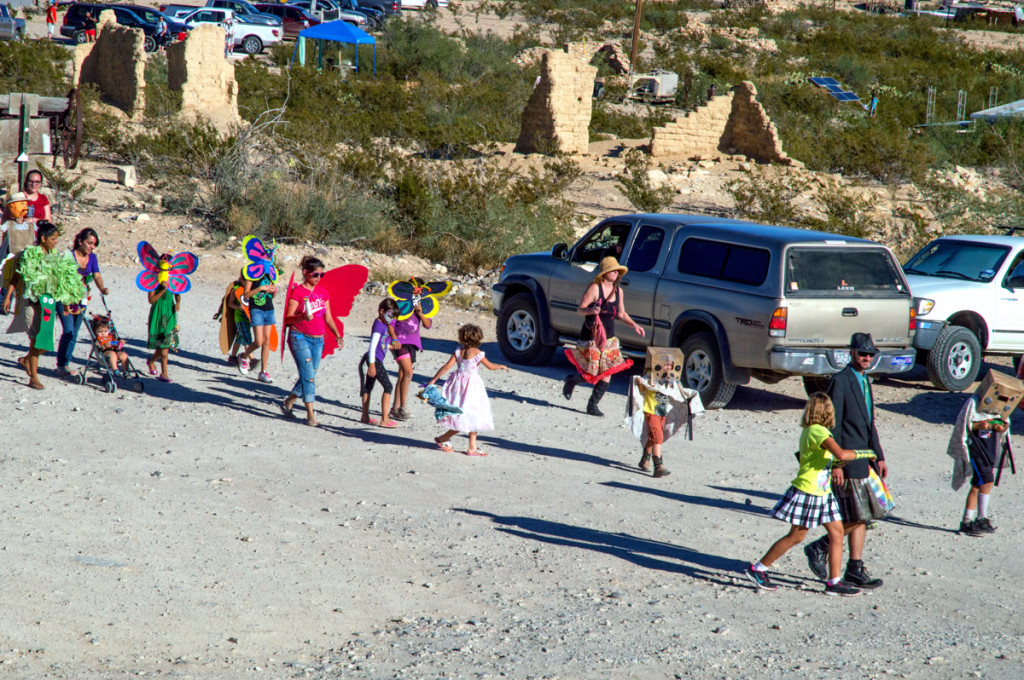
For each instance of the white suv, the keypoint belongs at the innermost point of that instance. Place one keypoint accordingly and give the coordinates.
(970, 301)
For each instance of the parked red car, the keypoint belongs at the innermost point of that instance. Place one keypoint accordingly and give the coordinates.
(295, 19)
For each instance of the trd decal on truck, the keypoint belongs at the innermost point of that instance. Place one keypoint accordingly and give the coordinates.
(750, 323)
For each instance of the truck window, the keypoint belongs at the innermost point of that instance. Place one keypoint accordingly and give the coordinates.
(607, 241)
(958, 260)
(646, 249)
(843, 272)
(725, 261)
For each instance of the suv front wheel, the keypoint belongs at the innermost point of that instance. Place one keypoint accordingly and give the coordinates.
(519, 332)
(702, 370)
(954, 359)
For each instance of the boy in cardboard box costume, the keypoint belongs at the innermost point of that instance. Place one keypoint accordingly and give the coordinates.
(658, 406)
(980, 446)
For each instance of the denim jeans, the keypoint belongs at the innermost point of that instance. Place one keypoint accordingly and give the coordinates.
(70, 324)
(306, 350)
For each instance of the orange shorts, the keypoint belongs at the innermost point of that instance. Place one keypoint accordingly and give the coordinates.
(656, 425)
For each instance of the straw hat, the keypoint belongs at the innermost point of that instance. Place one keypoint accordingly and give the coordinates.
(609, 264)
(16, 197)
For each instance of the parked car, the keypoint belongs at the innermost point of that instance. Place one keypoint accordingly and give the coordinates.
(152, 16)
(177, 11)
(10, 27)
(741, 300)
(294, 19)
(970, 294)
(74, 23)
(252, 38)
(325, 9)
(387, 8)
(245, 11)
(424, 4)
(375, 16)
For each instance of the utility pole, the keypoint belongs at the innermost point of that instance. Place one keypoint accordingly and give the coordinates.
(636, 36)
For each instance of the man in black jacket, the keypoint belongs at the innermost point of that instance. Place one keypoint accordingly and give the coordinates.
(850, 391)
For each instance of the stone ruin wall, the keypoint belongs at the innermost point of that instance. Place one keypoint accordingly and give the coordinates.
(206, 79)
(116, 63)
(557, 116)
(733, 123)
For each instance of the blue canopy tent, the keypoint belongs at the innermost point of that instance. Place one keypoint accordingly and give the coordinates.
(334, 31)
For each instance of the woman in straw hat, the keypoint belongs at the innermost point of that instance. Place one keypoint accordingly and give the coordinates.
(597, 355)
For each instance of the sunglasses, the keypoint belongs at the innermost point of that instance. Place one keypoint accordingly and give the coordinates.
(863, 354)
(315, 275)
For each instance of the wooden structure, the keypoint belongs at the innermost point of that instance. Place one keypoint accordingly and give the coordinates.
(31, 125)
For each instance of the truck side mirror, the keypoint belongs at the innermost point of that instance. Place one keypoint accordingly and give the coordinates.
(560, 251)
(1015, 282)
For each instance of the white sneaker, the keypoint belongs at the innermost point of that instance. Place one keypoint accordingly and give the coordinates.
(243, 364)
(265, 377)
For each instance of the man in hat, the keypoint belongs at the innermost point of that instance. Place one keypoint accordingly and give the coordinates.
(850, 391)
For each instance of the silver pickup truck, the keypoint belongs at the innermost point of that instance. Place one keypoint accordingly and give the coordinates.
(10, 28)
(741, 300)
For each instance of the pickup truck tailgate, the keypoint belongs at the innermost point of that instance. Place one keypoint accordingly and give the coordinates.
(835, 291)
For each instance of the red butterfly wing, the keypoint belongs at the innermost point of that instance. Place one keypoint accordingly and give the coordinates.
(343, 285)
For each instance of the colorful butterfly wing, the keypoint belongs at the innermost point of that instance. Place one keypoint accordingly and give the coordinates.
(259, 260)
(183, 264)
(437, 288)
(343, 285)
(430, 305)
(148, 257)
(405, 308)
(178, 283)
(146, 280)
(401, 290)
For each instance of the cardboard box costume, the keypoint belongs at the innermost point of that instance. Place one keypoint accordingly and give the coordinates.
(662, 372)
(996, 398)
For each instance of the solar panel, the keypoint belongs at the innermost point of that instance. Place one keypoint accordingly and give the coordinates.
(848, 97)
(825, 82)
(835, 88)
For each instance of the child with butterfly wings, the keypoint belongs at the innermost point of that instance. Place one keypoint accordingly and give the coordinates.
(418, 301)
(164, 278)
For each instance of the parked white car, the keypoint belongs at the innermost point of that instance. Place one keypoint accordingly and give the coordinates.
(252, 38)
(969, 292)
(424, 4)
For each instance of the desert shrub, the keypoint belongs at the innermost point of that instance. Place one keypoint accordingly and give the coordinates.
(66, 189)
(34, 66)
(847, 213)
(161, 101)
(615, 121)
(768, 198)
(636, 185)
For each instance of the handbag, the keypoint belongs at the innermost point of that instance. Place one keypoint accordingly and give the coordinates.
(880, 491)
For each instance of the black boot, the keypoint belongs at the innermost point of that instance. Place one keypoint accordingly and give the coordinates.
(817, 556)
(857, 575)
(595, 396)
(571, 381)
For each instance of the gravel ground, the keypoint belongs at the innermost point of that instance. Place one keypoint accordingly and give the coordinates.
(191, 531)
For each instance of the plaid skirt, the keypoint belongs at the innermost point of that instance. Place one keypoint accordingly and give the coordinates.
(805, 510)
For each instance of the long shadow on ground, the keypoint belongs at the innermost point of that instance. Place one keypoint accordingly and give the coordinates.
(642, 552)
(708, 502)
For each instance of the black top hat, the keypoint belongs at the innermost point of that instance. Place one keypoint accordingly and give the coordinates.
(862, 342)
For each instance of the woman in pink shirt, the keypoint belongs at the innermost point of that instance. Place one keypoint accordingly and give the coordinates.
(308, 315)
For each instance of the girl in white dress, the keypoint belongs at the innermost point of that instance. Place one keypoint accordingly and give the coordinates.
(465, 389)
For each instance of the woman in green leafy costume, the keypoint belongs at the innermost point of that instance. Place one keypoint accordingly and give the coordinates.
(42, 278)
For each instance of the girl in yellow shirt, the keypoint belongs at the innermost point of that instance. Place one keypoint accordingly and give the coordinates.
(809, 501)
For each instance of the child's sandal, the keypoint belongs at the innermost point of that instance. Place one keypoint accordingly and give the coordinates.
(476, 452)
(444, 446)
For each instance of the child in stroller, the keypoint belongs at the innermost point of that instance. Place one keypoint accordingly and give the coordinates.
(111, 346)
(107, 356)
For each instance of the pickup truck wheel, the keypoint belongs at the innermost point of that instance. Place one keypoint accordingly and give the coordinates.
(815, 383)
(519, 331)
(702, 370)
(251, 44)
(149, 44)
(954, 359)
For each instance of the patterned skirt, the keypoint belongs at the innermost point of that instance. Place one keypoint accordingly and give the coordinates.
(597, 363)
(805, 510)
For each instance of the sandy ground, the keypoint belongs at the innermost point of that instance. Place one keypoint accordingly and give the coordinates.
(192, 531)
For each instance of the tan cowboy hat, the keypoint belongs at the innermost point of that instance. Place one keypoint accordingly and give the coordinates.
(609, 264)
(16, 197)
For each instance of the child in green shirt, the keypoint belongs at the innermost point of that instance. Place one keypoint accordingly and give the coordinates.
(809, 501)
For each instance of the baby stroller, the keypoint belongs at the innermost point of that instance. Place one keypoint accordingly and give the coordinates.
(97, 361)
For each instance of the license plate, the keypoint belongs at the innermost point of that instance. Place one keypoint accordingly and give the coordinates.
(902, 361)
(841, 357)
